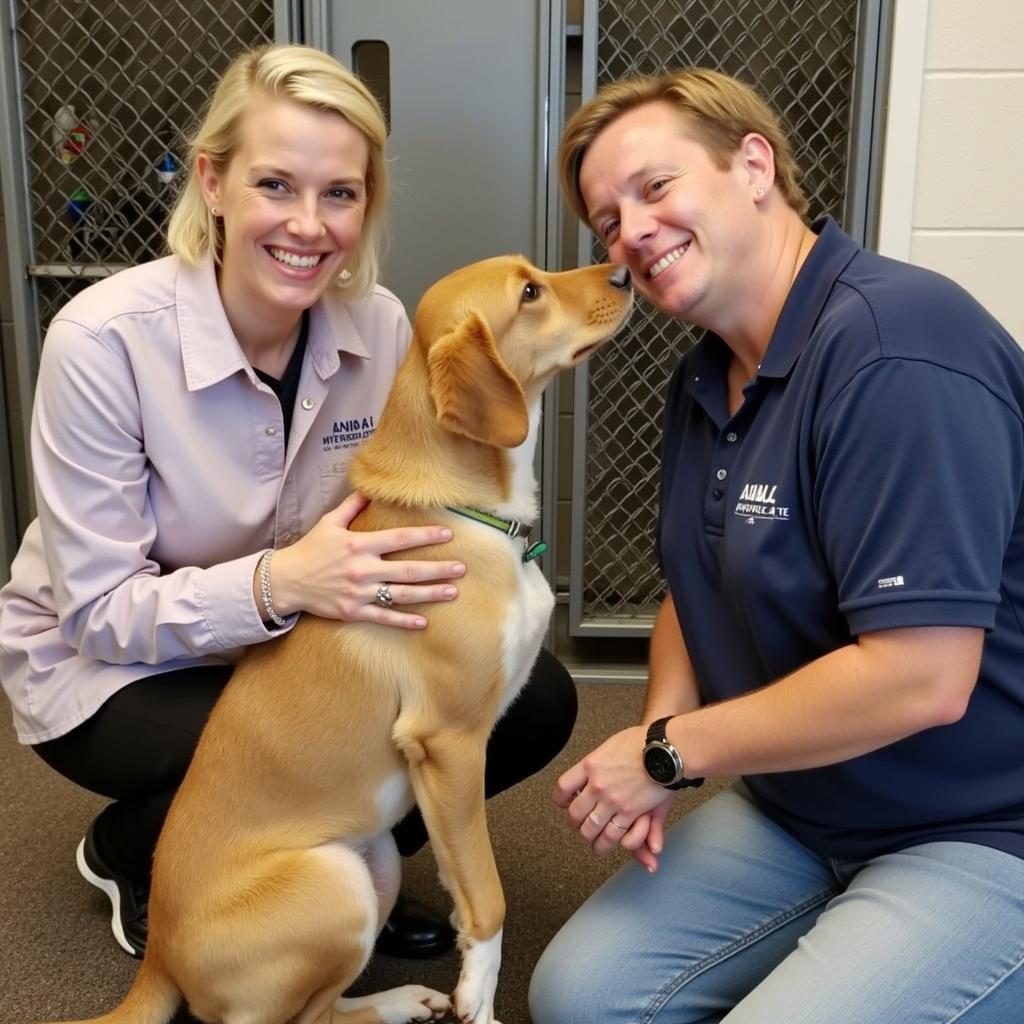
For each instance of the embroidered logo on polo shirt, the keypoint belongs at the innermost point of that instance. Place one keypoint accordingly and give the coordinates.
(757, 501)
(348, 433)
(890, 581)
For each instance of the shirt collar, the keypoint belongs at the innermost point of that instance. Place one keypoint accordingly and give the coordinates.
(828, 258)
(210, 351)
(708, 364)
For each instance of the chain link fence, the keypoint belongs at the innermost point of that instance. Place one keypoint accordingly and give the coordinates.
(110, 91)
(800, 55)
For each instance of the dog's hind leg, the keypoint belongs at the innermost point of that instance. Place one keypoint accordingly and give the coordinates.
(385, 866)
(297, 931)
(447, 772)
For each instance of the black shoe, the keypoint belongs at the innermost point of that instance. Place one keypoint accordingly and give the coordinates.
(129, 921)
(415, 932)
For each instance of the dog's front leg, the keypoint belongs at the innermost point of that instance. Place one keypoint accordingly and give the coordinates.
(447, 772)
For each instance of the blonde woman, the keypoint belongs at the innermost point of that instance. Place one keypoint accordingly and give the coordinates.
(193, 422)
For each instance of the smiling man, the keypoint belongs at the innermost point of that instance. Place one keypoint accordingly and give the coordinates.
(842, 534)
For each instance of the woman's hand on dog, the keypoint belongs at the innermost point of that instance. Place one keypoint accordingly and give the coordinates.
(335, 572)
(611, 802)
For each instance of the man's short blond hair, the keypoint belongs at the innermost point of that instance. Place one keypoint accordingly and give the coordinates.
(303, 75)
(714, 109)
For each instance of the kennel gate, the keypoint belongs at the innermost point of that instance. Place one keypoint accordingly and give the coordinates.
(822, 64)
(97, 98)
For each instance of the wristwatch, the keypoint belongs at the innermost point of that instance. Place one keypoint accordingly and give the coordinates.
(662, 761)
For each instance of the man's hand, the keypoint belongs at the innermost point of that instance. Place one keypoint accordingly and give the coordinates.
(611, 802)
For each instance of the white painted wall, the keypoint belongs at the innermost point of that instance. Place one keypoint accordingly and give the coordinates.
(953, 187)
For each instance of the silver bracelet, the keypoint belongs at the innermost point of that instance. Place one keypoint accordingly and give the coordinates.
(268, 604)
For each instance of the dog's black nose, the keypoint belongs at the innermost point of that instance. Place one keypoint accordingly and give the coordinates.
(620, 277)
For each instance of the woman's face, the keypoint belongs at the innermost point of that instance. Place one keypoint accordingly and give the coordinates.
(664, 209)
(293, 199)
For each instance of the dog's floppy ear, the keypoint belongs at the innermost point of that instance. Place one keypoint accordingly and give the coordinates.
(473, 390)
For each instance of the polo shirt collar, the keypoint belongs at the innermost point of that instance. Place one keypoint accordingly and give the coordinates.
(211, 353)
(814, 282)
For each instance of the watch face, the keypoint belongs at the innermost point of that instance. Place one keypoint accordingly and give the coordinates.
(661, 765)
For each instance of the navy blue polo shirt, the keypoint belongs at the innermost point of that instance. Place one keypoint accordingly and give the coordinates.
(871, 479)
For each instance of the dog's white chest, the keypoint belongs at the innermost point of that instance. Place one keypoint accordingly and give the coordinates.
(525, 625)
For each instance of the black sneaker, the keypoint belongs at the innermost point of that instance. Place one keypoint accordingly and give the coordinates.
(415, 932)
(129, 921)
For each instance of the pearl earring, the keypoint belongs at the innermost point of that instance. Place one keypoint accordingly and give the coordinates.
(760, 191)
(215, 210)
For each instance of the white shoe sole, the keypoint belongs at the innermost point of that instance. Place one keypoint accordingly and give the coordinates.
(113, 894)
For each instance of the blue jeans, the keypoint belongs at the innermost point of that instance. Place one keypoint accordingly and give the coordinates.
(742, 924)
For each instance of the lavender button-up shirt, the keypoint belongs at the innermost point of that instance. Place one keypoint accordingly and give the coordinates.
(161, 476)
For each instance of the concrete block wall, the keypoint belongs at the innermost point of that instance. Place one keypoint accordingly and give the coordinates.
(968, 206)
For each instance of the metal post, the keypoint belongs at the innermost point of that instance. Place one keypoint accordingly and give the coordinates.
(13, 172)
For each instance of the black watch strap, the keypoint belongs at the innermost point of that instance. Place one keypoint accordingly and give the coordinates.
(656, 733)
(656, 730)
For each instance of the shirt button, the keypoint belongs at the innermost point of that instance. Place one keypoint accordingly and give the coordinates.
(718, 492)
(271, 431)
(722, 474)
(308, 403)
(731, 437)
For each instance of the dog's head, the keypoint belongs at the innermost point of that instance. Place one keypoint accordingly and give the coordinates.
(495, 332)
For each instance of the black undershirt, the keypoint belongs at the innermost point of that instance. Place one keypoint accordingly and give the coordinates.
(287, 387)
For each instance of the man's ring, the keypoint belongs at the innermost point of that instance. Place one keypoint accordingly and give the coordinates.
(384, 598)
(621, 828)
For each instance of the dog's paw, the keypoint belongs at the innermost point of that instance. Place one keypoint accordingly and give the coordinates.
(474, 994)
(401, 1005)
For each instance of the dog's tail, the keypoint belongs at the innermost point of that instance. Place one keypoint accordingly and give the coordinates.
(152, 999)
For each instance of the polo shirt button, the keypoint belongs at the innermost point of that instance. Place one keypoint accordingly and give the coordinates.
(308, 403)
(731, 437)
(722, 474)
(718, 492)
(271, 431)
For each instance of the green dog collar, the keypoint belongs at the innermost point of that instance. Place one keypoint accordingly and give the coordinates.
(509, 527)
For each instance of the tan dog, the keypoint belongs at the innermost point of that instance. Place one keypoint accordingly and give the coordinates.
(276, 866)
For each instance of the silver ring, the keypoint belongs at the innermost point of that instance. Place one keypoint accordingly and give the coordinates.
(595, 820)
(621, 828)
(384, 598)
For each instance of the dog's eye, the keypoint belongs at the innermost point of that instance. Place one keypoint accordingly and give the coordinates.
(531, 292)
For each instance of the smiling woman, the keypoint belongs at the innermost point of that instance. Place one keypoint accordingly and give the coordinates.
(291, 206)
(193, 420)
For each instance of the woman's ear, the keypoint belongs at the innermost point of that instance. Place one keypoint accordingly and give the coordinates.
(474, 392)
(209, 179)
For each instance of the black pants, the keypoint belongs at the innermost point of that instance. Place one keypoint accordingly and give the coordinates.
(136, 749)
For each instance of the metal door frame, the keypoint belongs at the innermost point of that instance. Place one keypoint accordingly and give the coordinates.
(15, 195)
(8, 531)
(548, 214)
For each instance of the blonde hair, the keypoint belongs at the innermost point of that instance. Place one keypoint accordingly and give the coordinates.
(303, 75)
(717, 110)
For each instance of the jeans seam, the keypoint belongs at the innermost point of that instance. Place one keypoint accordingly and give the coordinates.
(991, 988)
(668, 990)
